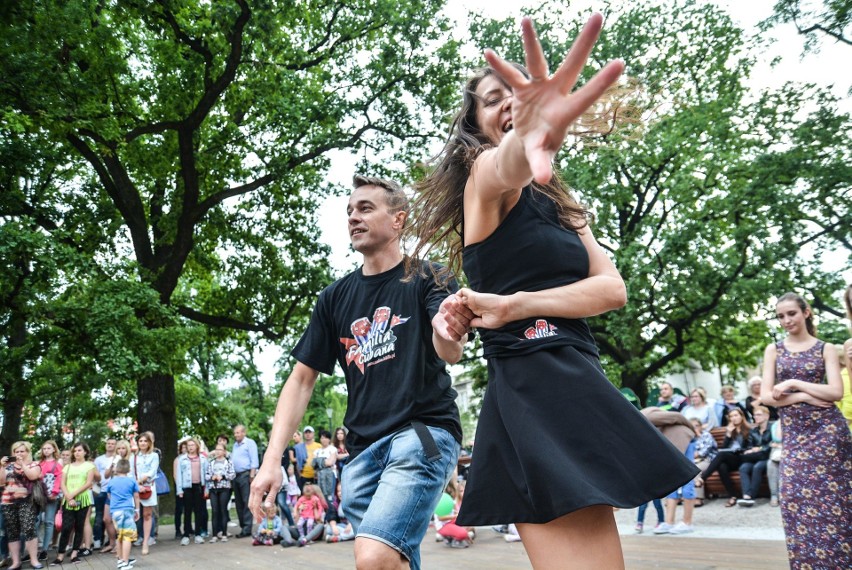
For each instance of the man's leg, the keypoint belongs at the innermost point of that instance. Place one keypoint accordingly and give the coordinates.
(242, 485)
(390, 508)
(98, 530)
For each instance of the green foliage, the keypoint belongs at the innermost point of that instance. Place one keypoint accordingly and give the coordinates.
(193, 138)
(814, 20)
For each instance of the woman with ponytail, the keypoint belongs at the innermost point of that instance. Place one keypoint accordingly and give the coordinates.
(801, 376)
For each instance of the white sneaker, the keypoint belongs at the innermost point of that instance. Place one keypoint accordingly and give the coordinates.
(212, 540)
(152, 541)
(512, 537)
(184, 541)
(681, 528)
(663, 528)
(199, 540)
(223, 539)
(96, 545)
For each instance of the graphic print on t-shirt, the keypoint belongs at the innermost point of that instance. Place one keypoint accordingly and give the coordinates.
(374, 341)
(542, 329)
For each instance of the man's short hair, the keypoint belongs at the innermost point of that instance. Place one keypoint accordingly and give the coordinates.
(394, 194)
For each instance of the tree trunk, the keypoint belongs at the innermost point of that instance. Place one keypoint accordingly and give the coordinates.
(157, 413)
(636, 383)
(15, 386)
(13, 409)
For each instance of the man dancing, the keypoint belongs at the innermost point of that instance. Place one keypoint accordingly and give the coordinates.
(404, 430)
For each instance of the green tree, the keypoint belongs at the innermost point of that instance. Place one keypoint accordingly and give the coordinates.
(830, 18)
(205, 130)
(707, 205)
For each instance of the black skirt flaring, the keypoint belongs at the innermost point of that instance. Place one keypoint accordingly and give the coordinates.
(555, 436)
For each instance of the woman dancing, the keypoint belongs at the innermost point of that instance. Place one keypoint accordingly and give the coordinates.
(536, 273)
(816, 461)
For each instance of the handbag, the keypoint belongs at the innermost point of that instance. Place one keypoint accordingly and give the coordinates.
(145, 491)
(161, 483)
(39, 494)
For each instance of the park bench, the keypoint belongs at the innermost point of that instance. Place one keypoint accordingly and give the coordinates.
(713, 485)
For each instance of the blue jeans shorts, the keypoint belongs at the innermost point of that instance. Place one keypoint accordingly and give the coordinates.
(391, 489)
(688, 490)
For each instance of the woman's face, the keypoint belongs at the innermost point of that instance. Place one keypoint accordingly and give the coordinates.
(143, 444)
(121, 451)
(728, 395)
(695, 399)
(47, 450)
(493, 108)
(736, 417)
(696, 425)
(791, 317)
(65, 455)
(79, 453)
(21, 454)
(219, 451)
(340, 436)
(192, 447)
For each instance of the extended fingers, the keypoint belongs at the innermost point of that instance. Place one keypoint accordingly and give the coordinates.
(534, 56)
(575, 60)
(505, 70)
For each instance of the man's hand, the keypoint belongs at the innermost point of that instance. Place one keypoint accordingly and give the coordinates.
(265, 487)
(452, 321)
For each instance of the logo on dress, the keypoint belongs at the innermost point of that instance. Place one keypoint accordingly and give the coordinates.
(374, 341)
(541, 329)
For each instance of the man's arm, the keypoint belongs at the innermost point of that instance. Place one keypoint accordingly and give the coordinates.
(291, 407)
(253, 459)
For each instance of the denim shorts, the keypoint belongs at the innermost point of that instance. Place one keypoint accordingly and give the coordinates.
(688, 490)
(125, 526)
(391, 489)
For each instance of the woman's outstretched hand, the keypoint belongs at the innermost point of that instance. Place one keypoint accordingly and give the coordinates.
(544, 107)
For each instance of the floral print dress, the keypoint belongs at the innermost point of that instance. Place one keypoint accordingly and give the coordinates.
(816, 471)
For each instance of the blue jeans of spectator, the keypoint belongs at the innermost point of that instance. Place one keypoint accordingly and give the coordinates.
(281, 499)
(751, 475)
(219, 499)
(98, 528)
(48, 519)
(658, 506)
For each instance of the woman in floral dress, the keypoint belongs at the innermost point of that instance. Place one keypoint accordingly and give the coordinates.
(816, 464)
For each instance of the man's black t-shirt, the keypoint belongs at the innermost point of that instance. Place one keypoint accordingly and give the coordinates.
(380, 331)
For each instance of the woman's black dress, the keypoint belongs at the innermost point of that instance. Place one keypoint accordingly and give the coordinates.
(554, 434)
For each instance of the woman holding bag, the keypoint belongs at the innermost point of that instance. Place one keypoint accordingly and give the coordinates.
(147, 464)
(19, 511)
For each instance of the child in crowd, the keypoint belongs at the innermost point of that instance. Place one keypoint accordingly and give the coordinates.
(293, 491)
(454, 536)
(308, 507)
(123, 496)
(270, 527)
(640, 517)
(339, 528)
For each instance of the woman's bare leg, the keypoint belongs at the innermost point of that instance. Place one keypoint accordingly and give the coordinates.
(585, 539)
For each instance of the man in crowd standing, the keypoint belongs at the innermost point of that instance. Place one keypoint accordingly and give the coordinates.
(102, 462)
(245, 459)
(401, 405)
(307, 474)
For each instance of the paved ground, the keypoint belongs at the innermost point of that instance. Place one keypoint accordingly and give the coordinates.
(725, 538)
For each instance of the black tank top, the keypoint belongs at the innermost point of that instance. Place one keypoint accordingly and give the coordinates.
(530, 251)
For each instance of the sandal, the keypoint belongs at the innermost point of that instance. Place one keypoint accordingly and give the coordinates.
(731, 502)
(699, 503)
